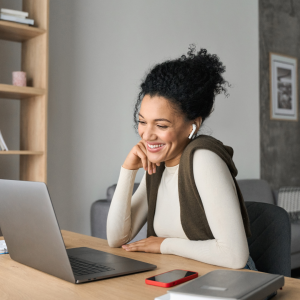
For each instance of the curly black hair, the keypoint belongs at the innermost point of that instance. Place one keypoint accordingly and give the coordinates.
(190, 83)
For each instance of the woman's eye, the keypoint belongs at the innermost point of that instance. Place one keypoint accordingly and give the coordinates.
(160, 126)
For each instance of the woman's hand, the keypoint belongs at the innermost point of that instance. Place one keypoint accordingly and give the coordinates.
(150, 245)
(137, 158)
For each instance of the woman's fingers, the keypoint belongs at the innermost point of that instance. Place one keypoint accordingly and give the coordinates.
(139, 243)
(151, 167)
(149, 164)
(135, 249)
(143, 158)
(154, 167)
(144, 150)
(142, 147)
(150, 244)
(136, 246)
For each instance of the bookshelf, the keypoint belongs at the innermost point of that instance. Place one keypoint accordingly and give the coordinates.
(34, 97)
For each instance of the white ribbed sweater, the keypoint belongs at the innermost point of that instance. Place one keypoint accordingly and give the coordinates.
(128, 214)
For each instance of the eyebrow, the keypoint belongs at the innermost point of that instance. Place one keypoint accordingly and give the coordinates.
(158, 119)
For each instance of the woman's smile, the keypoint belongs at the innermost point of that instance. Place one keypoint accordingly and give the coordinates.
(154, 147)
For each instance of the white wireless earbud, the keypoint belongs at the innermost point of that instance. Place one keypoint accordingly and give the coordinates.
(192, 133)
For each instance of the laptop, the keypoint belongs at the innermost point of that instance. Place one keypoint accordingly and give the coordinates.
(33, 238)
(228, 285)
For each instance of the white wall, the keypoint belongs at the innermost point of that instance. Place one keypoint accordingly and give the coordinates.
(99, 52)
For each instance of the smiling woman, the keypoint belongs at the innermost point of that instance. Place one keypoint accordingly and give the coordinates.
(188, 195)
(166, 137)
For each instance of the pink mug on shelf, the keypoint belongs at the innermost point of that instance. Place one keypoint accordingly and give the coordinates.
(19, 78)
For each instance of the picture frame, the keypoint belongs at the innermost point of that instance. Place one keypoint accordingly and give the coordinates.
(283, 87)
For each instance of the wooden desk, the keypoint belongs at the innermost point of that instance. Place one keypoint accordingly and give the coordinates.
(21, 282)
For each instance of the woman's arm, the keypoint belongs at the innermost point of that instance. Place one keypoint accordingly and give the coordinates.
(219, 197)
(127, 214)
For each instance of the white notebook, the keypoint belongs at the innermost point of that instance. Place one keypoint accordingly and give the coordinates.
(227, 284)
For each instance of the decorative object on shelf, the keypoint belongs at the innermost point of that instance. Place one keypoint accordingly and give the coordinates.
(15, 16)
(283, 87)
(3, 146)
(19, 78)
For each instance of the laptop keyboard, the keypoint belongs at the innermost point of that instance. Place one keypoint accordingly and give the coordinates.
(84, 267)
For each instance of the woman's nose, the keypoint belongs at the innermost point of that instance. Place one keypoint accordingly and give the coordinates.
(148, 133)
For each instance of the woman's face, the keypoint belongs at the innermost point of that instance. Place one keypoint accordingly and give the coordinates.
(163, 130)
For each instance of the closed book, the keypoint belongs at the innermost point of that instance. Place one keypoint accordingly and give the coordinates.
(16, 19)
(227, 284)
(14, 12)
(22, 17)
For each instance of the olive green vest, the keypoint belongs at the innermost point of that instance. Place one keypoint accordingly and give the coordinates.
(192, 214)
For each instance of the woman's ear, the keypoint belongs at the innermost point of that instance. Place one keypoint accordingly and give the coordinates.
(198, 122)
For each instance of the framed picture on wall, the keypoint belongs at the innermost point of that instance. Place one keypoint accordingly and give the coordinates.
(283, 87)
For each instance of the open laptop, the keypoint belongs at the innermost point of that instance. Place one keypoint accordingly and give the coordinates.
(33, 238)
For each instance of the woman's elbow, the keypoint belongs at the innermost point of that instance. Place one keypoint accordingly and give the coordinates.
(113, 243)
(113, 238)
(239, 259)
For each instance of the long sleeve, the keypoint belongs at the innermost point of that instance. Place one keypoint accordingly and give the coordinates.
(219, 197)
(127, 213)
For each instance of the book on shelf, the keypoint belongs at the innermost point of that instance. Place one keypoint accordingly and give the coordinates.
(16, 13)
(15, 16)
(3, 146)
(5, 17)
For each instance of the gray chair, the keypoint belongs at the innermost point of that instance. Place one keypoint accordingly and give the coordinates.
(253, 190)
(259, 190)
(270, 242)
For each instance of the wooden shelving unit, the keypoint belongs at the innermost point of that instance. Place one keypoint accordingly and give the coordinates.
(17, 32)
(23, 152)
(19, 92)
(34, 98)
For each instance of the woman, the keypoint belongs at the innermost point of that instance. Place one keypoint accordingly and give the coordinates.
(188, 194)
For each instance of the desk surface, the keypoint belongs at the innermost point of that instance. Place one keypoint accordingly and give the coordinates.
(21, 282)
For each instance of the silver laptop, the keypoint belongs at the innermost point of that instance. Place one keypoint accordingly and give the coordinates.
(33, 238)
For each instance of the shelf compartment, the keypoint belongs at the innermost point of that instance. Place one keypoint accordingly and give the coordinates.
(16, 32)
(22, 152)
(19, 92)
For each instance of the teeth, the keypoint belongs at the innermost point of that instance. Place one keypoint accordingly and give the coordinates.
(155, 146)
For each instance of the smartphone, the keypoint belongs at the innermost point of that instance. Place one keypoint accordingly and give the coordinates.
(171, 278)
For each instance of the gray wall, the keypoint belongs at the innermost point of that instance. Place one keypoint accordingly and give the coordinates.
(279, 23)
(99, 52)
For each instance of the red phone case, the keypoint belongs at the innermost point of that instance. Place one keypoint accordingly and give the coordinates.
(173, 283)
